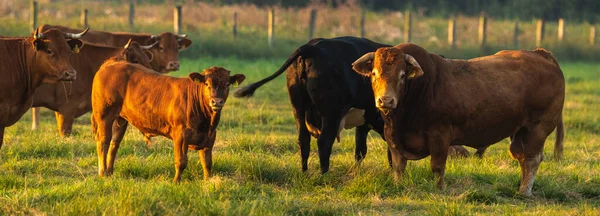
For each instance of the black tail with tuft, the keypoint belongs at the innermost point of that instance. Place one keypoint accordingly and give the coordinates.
(248, 91)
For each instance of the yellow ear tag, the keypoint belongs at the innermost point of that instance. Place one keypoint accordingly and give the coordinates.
(197, 80)
(412, 74)
(236, 83)
(76, 49)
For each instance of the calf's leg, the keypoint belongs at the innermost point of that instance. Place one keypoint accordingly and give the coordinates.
(119, 127)
(206, 156)
(103, 134)
(180, 148)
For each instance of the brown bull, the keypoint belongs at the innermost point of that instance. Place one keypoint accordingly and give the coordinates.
(430, 103)
(186, 110)
(70, 100)
(26, 63)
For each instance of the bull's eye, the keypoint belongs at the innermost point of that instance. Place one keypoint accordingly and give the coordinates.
(402, 75)
(134, 61)
(49, 52)
(160, 48)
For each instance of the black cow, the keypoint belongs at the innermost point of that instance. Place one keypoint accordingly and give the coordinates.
(323, 89)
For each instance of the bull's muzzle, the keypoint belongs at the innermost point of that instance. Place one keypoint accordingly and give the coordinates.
(385, 103)
(68, 75)
(173, 66)
(217, 104)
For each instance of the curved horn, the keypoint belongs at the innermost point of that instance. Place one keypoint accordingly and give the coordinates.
(38, 35)
(78, 35)
(411, 60)
(128, 44)
(416, 71)
(154, 37)
(149, 46)
(182, 35)
(367, 57)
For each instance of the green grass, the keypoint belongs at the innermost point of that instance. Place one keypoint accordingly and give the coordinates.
(257, 167)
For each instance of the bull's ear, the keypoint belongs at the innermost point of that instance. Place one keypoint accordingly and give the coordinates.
(197, 77)
(184, 43)
(414, 67)
(39, 44)
(235, 80)
(364, 64)
(149, 54)
(75, 45)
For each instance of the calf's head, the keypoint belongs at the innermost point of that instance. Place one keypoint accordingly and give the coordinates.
(53, 53)
(135, 53)
(166, 52)
(389, 69)
(215, 82)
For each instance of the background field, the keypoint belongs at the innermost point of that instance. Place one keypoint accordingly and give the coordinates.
(256, 159)
(257, 167)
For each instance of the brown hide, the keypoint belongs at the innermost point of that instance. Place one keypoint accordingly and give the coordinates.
(475, 102)
(72, 99)
(25, 64)
(186, 110)
(166, 52)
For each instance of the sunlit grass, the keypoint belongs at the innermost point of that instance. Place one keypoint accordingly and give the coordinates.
(257, 166)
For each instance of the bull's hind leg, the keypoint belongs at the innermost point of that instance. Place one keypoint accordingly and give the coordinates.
(35, 118)
(298, 101)
(64, 120)
(1, 136)
(329, 129)
(360, 138)
(118, 128)
(527, 147)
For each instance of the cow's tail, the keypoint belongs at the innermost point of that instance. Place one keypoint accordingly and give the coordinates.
(560, 139)
(248, 90)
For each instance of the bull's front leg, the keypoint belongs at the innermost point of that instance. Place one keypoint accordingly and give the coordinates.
(438, 148)
(325, 141)
(398, 162)
(206, 155)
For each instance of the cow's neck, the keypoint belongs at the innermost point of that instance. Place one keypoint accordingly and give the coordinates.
(30, 72)
(198, 110)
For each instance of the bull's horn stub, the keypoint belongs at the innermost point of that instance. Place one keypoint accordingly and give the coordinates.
(128, 44)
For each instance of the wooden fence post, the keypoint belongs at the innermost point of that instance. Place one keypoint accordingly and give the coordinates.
(592, 35)
(311, 23)
(362, 21)
(452, 32)
(407, 26)
(482, 30)
(516, 36)
(539, 33)
(561, 29)
(177, 19)
(235, 15)
(271, 27)
(33, 8)
(131, 15)
(84, 18)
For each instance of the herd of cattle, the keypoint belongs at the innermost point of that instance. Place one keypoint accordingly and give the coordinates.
(421, 103)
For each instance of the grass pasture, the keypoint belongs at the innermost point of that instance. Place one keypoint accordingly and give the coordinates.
(257, 166)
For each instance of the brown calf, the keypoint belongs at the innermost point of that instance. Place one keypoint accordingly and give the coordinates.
(26, 63)
(430, 103)
(70, 100)
(185, 110)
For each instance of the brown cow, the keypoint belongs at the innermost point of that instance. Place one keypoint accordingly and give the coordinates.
(430, 103)
(186, 110)
(26, 63)
(166, 53)
(73, 99)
